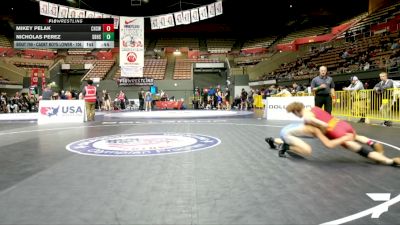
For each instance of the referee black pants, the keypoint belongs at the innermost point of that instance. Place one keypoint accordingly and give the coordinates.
(325, 101)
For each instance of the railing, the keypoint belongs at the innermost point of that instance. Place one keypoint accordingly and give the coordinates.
(368, 104)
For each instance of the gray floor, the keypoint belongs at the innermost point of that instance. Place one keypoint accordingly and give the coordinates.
(240, 181)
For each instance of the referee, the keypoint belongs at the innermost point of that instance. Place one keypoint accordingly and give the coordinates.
(324, 89)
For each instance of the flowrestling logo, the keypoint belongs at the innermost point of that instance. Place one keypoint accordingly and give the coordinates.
(143, 144)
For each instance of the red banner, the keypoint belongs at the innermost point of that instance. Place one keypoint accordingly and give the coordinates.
(34, 77)
(43, 79)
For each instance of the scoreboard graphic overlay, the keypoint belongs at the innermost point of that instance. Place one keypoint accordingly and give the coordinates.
(66, 33)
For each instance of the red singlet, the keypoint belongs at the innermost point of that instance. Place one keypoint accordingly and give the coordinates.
(337, 128)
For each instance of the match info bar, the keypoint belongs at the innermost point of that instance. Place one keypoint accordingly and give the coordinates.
(63, 44)
(64, 35)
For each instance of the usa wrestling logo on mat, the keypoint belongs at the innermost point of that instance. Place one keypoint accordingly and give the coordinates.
(143, 144)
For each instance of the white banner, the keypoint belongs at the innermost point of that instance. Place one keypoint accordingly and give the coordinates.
(98, 15)
(80, 13)
(107, 16)
(154, 23)
(186, 17)
(89, 14)
(131, 42)
(72, 13)
(44, 8)
(170, 20)
(131, 71)
(194, 15)
(53, 10)
(178, 18)
(211, 10)
(203, 12)
(275, 107)
(61, 111)
(116, 21)
(62, 12)
(218, 8)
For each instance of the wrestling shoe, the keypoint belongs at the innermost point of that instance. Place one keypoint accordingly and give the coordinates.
(271, 143)
(396, 161)
(282, 152)
(378, 147)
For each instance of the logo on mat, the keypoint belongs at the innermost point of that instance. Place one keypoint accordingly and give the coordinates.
(375, 211)
(143, 144)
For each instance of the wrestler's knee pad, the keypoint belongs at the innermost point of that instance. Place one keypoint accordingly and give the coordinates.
(364, 152)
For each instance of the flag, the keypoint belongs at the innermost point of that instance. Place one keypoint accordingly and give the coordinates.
(34, 77)
(43, 79)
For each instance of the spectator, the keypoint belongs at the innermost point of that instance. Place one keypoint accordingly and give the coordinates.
(366, 66)
(357, 98)
(381, 90)
(47, 93)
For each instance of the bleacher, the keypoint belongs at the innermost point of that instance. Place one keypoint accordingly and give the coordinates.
(153, 68)
(303, 33)
(258, 43)
(79, 51)
(4, 42)
(183, 68)
(215, 45)
(375, 50)
(6, 81)
(100, 69)
(380, 16)
(191, 43)
(27, 64)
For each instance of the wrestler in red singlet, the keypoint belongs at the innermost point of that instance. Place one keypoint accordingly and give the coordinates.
(337, 128)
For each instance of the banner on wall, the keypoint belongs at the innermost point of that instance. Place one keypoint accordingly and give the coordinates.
(218, 8)
(186, 17)
(34, 77)
(62, 12)
(203, 12)
(53, 10)
(194, 15)
(157, 22)
(154, 23)
(275, 107)
(43, 79)
(131, 43)
(44, 8)
(178, 18)
(211, 10)
(131, 71)
(61, 111)
(135, 81)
